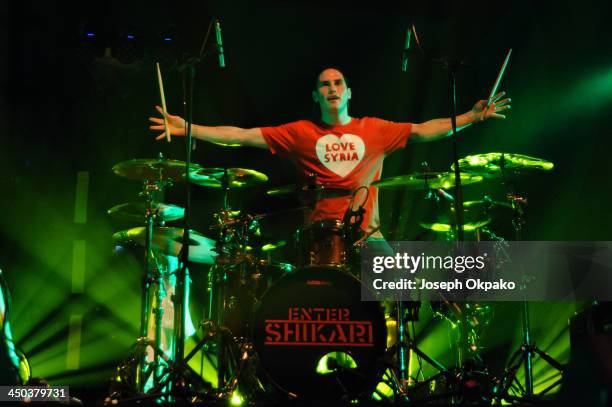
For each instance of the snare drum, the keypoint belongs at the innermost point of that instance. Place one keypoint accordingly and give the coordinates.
(316, 339)
(322, 243)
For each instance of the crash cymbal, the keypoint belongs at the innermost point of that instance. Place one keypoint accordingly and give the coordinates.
(426, 180)
(236, 177)
(136, 211)
(169, 240)
(493, 164)
(153, 169)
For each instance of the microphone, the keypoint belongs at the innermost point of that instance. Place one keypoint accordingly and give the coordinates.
(405, 50)
(443, 194)
(219, 43)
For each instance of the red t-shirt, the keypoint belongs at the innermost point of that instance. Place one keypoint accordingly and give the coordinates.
(344, 156)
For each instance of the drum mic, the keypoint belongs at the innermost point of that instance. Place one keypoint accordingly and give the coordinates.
(332, 364)
(357, 214)
(406, 48)
(219, 43)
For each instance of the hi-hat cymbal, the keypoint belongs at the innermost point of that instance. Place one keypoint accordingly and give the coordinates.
(494, 164)
(426, 180)
(447, 227)
(236, 177)
(153, 169)
(137, 211)
(273, 246)
(169, 241)
(476, 214)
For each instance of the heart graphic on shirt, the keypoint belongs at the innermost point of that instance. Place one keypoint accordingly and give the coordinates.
(340, 154)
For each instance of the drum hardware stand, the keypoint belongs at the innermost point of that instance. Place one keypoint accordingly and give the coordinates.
(149, 192)
(528, 349)
(409, 311)
(233, 233)
(231, 356)
(406, 347)
(152, 276)
(126, 379)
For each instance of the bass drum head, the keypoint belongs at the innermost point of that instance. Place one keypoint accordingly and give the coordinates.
(316, 339)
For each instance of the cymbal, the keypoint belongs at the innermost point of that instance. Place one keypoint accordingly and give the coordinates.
(136, 211)
(493, 164)
(476, 214)
(426, 180)
(236, 177)
(273, 246)
(169, 240)
(297, 189)
(153, 169)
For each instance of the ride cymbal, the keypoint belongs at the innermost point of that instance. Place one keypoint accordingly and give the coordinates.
(169, 240)
(137, 211)
(493, 165)
(232, 177)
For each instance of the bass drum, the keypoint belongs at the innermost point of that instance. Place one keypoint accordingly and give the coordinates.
(316, 339)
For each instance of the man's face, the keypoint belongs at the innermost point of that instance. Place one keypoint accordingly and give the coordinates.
(332, 92)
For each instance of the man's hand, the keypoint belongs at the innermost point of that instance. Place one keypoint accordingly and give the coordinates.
(176, 124)
(481, 111)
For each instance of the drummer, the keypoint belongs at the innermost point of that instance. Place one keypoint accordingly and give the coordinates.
(342, 151)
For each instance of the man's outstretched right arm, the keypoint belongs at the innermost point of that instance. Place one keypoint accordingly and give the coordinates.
(223, 135)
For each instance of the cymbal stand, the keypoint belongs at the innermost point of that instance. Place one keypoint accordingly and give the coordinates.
(528, 349)
(406, 347)
(465, 373)
(226, 235)
(232, 248)
(218, 338)
(152, 274)
(152, 192)
(407, 388)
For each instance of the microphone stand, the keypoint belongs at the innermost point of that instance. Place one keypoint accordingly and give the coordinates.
(177, 379)
(452, 65)
(452, 70)
(181, 277)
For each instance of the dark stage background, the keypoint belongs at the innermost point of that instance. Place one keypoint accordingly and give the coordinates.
(75, 105)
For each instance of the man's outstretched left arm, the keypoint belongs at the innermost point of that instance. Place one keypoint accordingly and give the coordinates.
(439, 128)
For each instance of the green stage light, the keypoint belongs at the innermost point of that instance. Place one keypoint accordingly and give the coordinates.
(236, 399)
(341, 359)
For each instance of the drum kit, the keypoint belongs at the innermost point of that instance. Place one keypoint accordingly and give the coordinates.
(278, 331)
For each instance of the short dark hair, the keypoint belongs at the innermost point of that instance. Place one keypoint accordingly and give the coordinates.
(326, 68)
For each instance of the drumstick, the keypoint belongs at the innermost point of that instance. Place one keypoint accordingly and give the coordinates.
(163, 101)
(499, 77)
